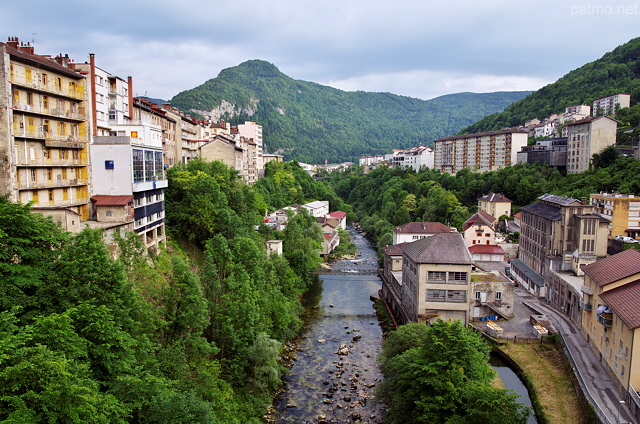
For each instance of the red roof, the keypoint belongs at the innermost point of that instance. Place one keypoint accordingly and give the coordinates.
(486, 249)
(339, 215)
(494, 197)
(111, 200)
(624, 301)
(614, 268)
(480, 218)
(422, 228)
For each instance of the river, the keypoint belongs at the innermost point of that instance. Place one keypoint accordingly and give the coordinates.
(335, 373)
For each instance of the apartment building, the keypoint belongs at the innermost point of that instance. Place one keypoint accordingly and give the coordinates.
(586, 137)
(622, 211)
(611, 104)
(43, 134)
(412, 231)
(551, 151)
(414, 158)
(611, 319)
(252, 131)
(486, 151)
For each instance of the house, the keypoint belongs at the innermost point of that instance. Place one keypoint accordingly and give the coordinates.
(413, 231)
(341, 217)
(495, 204)
(479, 229)
(611, 319)
(434, 281)
(319, 208)
(414, 158)
(330, 240)
(274, 247)
(492, 294)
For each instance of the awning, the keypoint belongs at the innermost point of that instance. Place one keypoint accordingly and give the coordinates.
(528, 273)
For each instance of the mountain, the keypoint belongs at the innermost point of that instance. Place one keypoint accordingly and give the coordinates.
(616, 72)
(310, 122)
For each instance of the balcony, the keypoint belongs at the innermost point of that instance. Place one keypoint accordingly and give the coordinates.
(52, 163)
(46, 184)
(605, 319)
(586, 306)
(53, 112)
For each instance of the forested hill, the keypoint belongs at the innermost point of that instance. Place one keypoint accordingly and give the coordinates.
(616, 72)
(310, 122)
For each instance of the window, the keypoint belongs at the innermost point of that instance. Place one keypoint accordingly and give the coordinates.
(158, 165)
(59, 83)
(62, 128)
(437, 276)
(436, 295)
(478, 294)
(45, 78)
(148, 165)
(64, 173)
(458, 276)
(65, 194)
(138, 166)
(45, 102)
(30, 99)
(458, 296)
(498, 295)
(107, 213)
(63, 154)
(34, 176)
(28, 74)
(50, 195)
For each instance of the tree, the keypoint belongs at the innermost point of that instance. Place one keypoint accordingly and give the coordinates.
(444, 379)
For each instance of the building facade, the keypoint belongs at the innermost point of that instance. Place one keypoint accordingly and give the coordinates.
(414, 158)
(622, 210)
(495, 204)
(44, 133)
(611, 104)
(413, 231)
(586, 137)
(486, 151)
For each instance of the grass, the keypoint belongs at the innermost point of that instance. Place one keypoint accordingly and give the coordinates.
(547, 369)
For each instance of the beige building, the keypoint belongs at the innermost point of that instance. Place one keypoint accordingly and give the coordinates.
(622, 210)
(495, 204)
(486, 151)
(611, 318)
(434, 281)
(610, 104)
(478, 230)
(586, 137)
(44, 134)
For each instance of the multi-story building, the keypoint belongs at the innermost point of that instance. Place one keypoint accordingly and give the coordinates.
(586, 137)
(131, 163)
(495, 204)
(414, 158)
(370, 160)
(622, 210)
(611, 104)
(611, 319)
(551, 151)
(434, 281)
(252, 131)
(577, 112)
(479, 230)
(43, 133)
(557, 234)
(486, 151)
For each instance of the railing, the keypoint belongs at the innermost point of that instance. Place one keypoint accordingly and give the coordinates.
(26, 185)
(49, 87)
(586, 306)
(53, 162)
(49, 111)
(607, 322)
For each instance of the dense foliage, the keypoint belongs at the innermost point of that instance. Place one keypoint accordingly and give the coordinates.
(165, 339)
(387, 197)
(441, 374)
(616, 72)
(310, 122)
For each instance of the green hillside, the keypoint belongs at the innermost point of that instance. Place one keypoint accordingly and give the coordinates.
(310, 122)
(616, 72)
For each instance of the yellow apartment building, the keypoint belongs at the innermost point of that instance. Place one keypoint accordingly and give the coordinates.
(623, 210)
(43, 137)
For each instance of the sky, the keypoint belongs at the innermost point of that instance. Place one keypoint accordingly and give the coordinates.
(416, 48)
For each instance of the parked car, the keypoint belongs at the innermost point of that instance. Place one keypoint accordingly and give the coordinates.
(626, 239)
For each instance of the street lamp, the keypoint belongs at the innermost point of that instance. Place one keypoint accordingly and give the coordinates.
(621, 402)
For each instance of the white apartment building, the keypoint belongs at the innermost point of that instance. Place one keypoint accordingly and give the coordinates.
(608, 105)
(414, 158)
(486, 151)
(251, 130)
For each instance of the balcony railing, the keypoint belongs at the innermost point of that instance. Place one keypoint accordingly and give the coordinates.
(607, 322)
(55, 183)
(55, 112)
(48, 162)
(586, 306)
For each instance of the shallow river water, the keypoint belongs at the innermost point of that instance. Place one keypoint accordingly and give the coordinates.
(335, 372)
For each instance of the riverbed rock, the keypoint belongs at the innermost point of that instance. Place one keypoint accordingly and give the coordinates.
(322, 341)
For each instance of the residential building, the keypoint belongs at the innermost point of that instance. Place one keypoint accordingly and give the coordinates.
(575, 113)
(330, 240)
(611, 319)
(319, 208)
(414, 158)
(622, 211)
(486, 151)
(413, 231)
(611, 104)
(132, 164)
(487, 253)
(545, 129)
(269, 157)
(495, 204)
(370, 160)
(479, 229)
(491, 295)
(44, 133)
(252, 131)
(586, 137)
(340, 217)
(557, 233)
(434, 281)
(274, 247)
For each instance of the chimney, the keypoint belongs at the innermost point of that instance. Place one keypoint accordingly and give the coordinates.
(13, 42)
(130, 85)
(92, 81)
(26, 48)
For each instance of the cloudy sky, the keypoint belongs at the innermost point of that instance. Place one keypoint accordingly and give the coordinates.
(417, 48)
